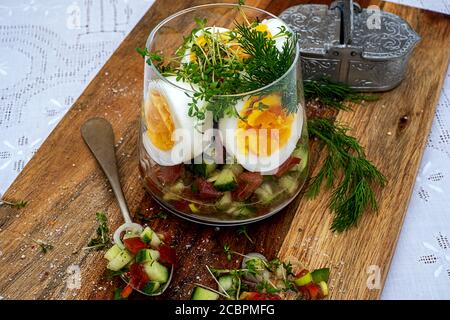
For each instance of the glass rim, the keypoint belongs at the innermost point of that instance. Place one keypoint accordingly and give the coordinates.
(203, 6)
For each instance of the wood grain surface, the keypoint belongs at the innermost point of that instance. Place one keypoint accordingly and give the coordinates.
(65, 187)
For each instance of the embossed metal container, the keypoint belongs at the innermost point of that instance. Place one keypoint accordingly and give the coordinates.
(352, 45)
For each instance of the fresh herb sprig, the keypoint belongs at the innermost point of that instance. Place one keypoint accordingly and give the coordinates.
(45, 247)
(345, 158)
(159, 215)
(243, 231)
(102, 240)
(14, 204)
(333, 94)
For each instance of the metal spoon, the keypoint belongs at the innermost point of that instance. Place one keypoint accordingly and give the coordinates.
(99, 136)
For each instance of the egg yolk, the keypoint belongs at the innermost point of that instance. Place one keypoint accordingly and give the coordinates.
(266, 126)
(160, 125)
(263, 28)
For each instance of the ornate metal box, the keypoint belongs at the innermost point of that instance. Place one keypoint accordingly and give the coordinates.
(365, 48)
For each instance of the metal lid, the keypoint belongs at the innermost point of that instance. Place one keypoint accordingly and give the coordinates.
(319, 29)
(394, 39)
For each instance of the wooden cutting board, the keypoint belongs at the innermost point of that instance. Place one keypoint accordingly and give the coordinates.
(65, 187)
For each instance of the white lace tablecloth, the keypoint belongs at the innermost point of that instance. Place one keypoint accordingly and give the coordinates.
(50, 50)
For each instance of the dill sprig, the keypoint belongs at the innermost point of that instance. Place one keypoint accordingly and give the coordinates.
(345, 158)
(266, 63)
(333, 94)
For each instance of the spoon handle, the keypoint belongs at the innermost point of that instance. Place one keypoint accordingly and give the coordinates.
(99, 136)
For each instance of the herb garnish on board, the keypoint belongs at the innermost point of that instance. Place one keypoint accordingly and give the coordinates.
(14, 204)
(345, 161)
(102, 240)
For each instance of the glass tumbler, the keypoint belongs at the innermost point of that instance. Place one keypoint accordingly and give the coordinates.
(235, 169)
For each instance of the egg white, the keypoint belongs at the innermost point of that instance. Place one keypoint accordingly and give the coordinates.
(274, 26)
(188, 143)
(187, 54)
(266, 165)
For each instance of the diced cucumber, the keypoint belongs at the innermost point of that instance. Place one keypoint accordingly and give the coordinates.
(288, 183)
(146, 255)
(156, 271)
(177, 187)
(302, 153)
(149, 236)
(151, 287)
(146, 234)
(303, 280)
(319, 275)
(112, 252)
(324, 287)
(193, 208)
(224, 202)
(237, 169)
(240, 209)
(170, 196)
(120, 261)
(201, 293)
(226, 282)
(174, 191)
(155, 242)
(203, 169)
(265, 193)
(225, 181)
(213, 176)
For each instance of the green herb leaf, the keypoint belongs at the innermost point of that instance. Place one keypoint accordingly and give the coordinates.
(243, 231)
(344, 157)
(102, 240)
(158, 215)
(228, 252)
(333, 94)
(13, 204)
(45, 247)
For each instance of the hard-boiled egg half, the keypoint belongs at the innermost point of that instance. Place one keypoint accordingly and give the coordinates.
(264, 135)
(171, 136)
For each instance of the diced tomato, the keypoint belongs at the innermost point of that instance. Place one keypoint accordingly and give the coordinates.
(181, 205)
(248, 182)
(287, 165)
(167, 175)
(311, 291)
(259, 296)
(138, 276)
(134, 244)
(126, 291)
(167, 254)
(206, 190)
